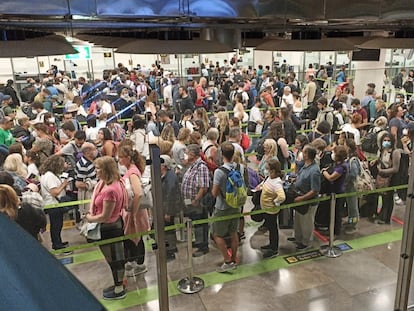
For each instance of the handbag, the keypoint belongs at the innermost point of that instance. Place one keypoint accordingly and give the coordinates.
(364, 180)
(257, 217)
(382, 182)
(292, 192)
(251, 127)
(146, 199)
(93, 231)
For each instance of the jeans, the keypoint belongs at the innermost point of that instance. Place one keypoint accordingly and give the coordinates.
(200, 231)
(56, 225)
(272, 224)
(352, 206)
(253, 145)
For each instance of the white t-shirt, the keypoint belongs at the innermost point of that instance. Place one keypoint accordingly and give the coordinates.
(287, 100)
(168, 94)
(49, 181)
(106, 107)
(255, 116)
(349, 129)
(32, 170)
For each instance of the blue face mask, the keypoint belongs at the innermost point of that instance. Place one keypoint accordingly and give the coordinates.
(386, 144)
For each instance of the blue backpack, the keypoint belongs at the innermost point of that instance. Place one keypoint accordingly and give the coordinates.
(236, 191)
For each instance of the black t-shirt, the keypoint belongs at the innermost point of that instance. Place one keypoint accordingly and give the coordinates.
(186, 103)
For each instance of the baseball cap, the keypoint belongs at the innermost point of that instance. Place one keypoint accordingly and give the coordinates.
(166, 159)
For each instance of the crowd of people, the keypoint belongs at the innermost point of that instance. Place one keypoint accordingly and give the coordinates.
(242, 129)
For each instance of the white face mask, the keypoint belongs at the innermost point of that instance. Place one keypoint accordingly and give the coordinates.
(333, 156)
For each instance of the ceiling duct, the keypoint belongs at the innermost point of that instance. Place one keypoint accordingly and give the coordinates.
(230, 37)
(207, 34)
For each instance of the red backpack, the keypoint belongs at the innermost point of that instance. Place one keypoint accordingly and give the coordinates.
(211, 165)
(245, 141)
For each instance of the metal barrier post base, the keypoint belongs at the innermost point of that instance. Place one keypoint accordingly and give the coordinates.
(190, 285)
(330, 251)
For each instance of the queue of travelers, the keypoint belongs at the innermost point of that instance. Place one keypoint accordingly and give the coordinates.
(234, 133)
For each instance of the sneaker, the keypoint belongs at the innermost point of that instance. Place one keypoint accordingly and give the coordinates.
(265, 247)
(200, 252)
(398, 201)
(302, 247)
(133, 269)
(109, 289)
(270, 254)
(350, 230)
(62, 247)
(112, 295)
(226, 266)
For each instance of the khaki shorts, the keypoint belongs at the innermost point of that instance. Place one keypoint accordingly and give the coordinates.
(227, 227)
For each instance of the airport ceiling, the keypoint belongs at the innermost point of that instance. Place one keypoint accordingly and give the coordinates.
(207, 19)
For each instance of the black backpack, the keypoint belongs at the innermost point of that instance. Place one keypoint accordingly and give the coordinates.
(335, 124)
(260, 149)
(369, 143)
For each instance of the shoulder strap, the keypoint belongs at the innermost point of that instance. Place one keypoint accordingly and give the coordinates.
(208, 147)
(225, 170)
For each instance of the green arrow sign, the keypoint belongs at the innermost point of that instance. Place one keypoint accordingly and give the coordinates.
(84, 53)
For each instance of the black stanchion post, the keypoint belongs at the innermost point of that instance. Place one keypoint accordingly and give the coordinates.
(159, 224)
(330, 250)
(190, 284)
(407, 250)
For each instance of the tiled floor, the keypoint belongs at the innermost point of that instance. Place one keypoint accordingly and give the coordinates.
(361, 279)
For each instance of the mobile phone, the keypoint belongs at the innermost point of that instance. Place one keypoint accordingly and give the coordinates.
(24, 138)
(64, 175)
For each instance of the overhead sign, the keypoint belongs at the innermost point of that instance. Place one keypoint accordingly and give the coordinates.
(84, 53)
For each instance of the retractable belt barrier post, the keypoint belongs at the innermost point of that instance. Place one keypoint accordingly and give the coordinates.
(190, 284)
(330, 250)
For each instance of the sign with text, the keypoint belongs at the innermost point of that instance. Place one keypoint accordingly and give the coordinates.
(85, 53)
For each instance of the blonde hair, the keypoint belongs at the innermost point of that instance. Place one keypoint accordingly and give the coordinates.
(273, 147)
(109, 169)
(14, 163)
(223, 119)
(167, 133)
(9, 201)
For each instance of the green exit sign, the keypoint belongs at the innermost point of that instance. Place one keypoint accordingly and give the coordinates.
(84, 53)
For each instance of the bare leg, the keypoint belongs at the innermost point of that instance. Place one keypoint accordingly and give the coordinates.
(221, 244)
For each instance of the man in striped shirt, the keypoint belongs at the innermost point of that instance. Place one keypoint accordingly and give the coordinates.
(85, 175)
